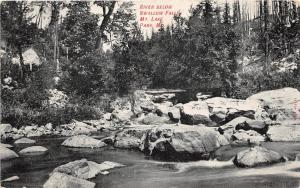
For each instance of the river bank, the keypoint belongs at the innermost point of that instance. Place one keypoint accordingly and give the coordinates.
(142, 171)
(149, 138)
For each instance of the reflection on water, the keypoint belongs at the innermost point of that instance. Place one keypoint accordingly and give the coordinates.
(141, 172)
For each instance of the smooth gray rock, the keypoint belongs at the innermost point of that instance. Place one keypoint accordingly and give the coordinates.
(83, 141)
(24, 141)
(33, 150)
(6, 154)
(257, 156)
(194, 113)
(153, 119)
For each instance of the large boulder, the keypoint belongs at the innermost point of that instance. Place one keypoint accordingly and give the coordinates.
(33, 150)
(121, 110)
(107, 116)
(76, 128)
(120, 104)
(6, 154)
(257, 156)
(49, 126)
(122, 115)
(229, 128)
(83, 141)
(153, 119)
(5, 128)
(162, 109)
(61, 180)
(24, 141)
(256, 125)
(246, 138)
(243, 123)
(225, 109)
(85, 169)
(166, 109)
(194, 113)
(130, 138)
(281, 104)
(286, 131)
(142, 102)
(164, 97)
(182, 142)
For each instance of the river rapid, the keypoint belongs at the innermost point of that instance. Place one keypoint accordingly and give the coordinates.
(143, 172)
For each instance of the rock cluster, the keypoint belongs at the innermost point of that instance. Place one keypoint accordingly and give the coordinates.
(74, 128)
(154, 123)
(171, 142)
(76, 173)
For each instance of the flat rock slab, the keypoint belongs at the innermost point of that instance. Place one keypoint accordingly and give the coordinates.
(24, 141)
(107, 165)
(85, 169)
(83, 141)
(60, 180)
(285, 133)
(6, 154)
(33, 150)
(257, 156)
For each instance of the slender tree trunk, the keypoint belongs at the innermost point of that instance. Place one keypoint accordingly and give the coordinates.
(22, 65)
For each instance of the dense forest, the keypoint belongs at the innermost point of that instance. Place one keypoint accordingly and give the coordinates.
(218, 49)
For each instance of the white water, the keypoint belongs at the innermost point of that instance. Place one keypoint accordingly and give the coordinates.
(283, 169)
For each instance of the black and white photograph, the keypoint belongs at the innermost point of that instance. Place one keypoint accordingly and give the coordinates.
(150, 94)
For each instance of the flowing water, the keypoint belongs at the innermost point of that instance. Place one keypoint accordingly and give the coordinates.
(142, 172)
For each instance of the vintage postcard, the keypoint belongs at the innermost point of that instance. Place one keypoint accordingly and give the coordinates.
(150, 94)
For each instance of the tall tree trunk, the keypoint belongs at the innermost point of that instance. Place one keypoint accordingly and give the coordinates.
(22, 65)
(104, 23)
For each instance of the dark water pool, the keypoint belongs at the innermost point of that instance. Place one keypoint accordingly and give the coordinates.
(141, 172)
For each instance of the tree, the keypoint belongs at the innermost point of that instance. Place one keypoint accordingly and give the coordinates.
(226, 14)
(19, 30)
(107, 11)
(79, 29)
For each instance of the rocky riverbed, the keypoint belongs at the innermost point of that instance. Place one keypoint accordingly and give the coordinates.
(201, 140)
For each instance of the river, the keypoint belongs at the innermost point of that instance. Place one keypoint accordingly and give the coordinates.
(143, 172)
